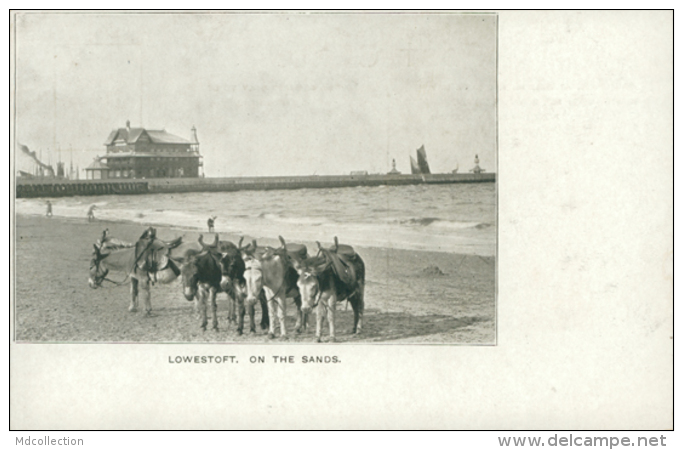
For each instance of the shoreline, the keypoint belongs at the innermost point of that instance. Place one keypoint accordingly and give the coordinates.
(412, 296)
(231, 236)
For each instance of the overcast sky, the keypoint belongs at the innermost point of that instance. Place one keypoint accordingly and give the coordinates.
(270, 94)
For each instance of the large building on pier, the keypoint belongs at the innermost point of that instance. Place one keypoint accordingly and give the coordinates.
(143, 153)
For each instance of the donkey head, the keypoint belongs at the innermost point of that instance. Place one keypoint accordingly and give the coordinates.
(97, 272)
(232, 272)
(189, 274)
(309, 286)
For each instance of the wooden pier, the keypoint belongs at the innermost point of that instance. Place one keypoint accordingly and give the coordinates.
(53, 187)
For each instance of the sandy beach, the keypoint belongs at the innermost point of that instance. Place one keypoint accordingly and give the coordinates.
(410, 297)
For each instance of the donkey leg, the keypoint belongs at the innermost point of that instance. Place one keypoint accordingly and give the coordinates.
(214, 309)
(146, 295)
(319, 317)
(298, 328)
(264, 311)
(358, 308)
(282, 314)
(271, 315)
(251, 310)
(133, 295)
(201, 301)
(231, 309)
(240, 316)
(331, 310)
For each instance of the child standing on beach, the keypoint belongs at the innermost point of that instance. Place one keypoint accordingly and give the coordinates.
(49, 209)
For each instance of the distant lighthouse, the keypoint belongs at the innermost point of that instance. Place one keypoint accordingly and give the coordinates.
(393, 170)
(476, 168)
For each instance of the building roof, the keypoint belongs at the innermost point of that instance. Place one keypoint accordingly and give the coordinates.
(130, 136)
(151, 155)
(97, 165)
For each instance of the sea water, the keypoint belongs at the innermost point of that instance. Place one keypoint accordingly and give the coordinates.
(456, 218)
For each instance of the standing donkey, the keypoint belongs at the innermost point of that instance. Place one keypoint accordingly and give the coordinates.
(218, 268)
(333, 275)
(271, 271)
(145, 262)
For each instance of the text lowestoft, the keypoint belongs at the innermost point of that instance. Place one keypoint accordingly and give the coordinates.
(202, 359)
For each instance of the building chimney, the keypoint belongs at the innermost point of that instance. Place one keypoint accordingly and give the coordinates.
(194, 135)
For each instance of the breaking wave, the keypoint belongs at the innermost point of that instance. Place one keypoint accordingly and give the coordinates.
(388, 217)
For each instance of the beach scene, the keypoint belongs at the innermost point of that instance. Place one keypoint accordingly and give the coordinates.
(148, 201)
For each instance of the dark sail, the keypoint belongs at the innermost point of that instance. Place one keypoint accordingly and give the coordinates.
(414, 168)
(422, 160)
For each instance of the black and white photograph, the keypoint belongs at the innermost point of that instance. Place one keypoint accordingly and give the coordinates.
(254, 177)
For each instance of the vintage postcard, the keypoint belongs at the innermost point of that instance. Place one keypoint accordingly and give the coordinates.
(322, 199)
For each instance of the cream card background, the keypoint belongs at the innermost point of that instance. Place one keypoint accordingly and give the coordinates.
(585, 279)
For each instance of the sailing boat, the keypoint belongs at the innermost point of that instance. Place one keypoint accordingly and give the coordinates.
(414, 168)
(422, 160)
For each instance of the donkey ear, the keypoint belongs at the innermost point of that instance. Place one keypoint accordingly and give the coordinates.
(282, 241)
(239, 245)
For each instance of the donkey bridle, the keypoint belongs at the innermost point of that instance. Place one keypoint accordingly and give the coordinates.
(100, 279)
(320, 292)
(99, 258)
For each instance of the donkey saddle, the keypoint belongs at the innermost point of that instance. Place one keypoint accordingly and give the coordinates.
(342, 258)
(152, 254)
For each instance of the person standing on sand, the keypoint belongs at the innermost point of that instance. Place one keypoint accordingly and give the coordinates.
(49, 209)
(210, 222)
(91, 213)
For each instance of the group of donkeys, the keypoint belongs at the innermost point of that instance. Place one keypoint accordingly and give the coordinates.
(248, 274)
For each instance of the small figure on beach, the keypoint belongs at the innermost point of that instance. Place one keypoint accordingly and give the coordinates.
(210, 222)
(91, 213)
(49, 209)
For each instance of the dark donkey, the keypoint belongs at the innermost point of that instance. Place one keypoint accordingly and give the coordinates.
(203, 276)
(333, 275)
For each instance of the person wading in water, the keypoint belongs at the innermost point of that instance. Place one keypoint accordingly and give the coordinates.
(91, 213)
(209, 223)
